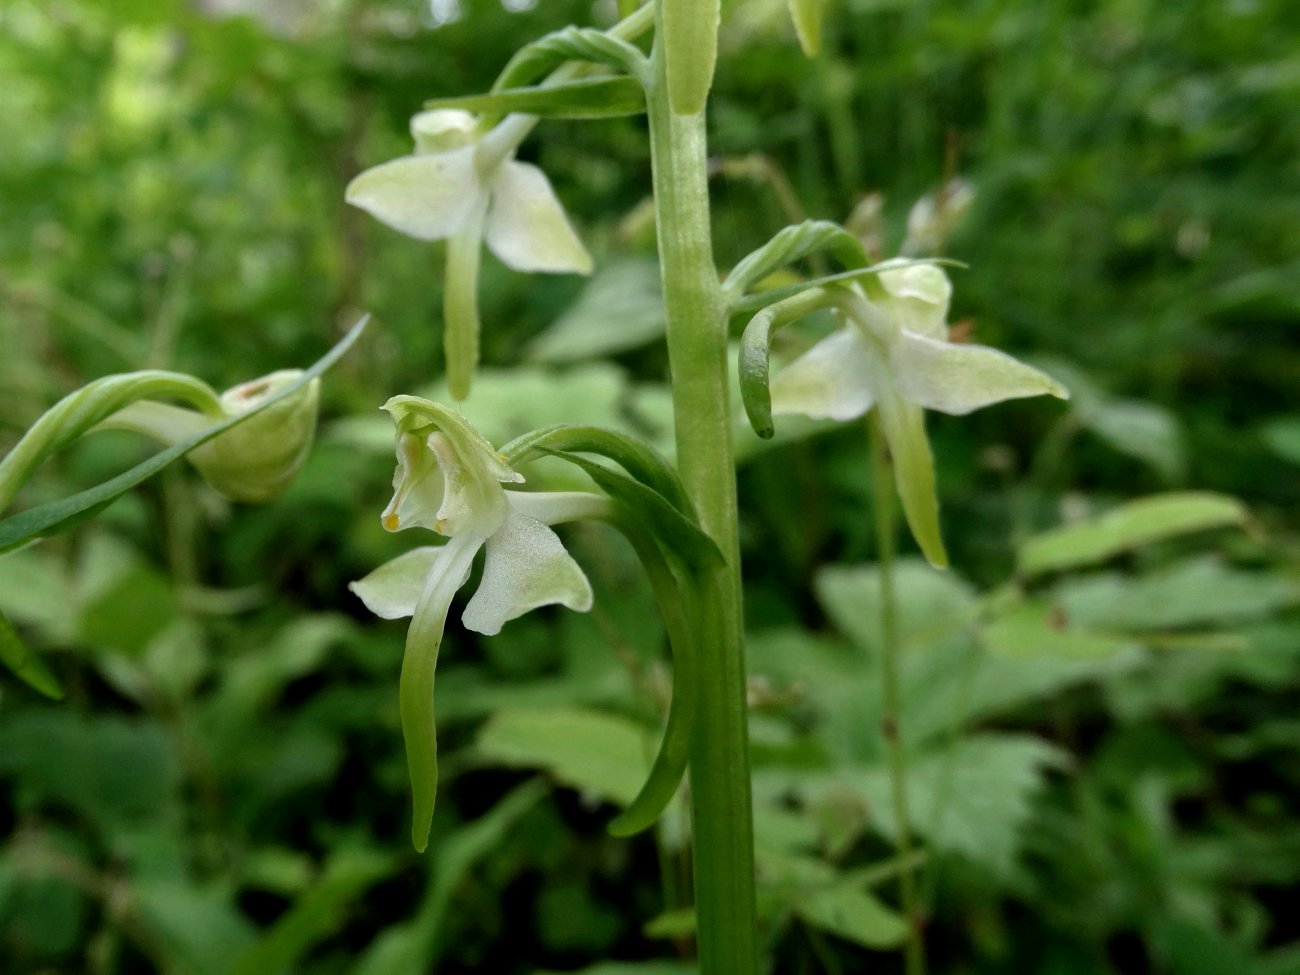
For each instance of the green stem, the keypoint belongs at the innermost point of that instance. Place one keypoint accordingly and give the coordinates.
(882, 487)
(697, 351)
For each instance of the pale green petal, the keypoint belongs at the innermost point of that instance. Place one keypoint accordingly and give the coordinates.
(428, 197)
(918, 297)
(831, 380)
(956, 378)
(554, 507)
(419, 485)
(415, 687)
(442, 129)
(392, 590)
(526, 567)
(904, 426)
(526, 226)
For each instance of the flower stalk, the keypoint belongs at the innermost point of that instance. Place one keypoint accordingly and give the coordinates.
(721, 802)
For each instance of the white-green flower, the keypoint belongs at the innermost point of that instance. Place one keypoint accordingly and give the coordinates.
(466, 187)
(894, 355)
(449, 481)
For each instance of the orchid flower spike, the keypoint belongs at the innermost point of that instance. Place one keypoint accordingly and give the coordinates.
(894, 354)
(465, 186)
(449, 481)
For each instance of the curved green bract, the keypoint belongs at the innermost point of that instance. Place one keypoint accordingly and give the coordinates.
(675, 747)
(585, 98)
(635, 456)
(534, 60)
(791, 244)
(56, 516)
(755, 353)
(748, 304)
(82, 409)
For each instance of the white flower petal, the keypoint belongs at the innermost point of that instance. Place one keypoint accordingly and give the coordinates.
(554, 507)
(428, 197)
(526, 226)
(832, 379)
(956, 378)
(392, 590)
(918, 298)
(526, 567)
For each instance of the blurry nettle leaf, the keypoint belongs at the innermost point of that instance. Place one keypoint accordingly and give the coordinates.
(1142, 430)
(1282, 436)
(1127, 527)
(600, 754)
(621, 308)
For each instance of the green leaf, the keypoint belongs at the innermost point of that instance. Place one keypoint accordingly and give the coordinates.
(676, 532)
(1282, 436)
(24, 663)
(807, 17)
(1040, 628)
(1127, 527)
(56, 516)
(600, 754)
(315, 915)
(689, 39)
(198, 929)
(585, 98)
(852, 914)
(620, 309)
(413, 947)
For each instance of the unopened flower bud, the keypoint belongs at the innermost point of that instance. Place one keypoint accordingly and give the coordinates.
(257, 461)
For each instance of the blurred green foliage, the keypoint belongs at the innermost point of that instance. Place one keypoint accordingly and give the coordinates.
(1104, 745)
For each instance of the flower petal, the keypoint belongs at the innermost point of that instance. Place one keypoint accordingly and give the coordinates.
(832, 379)
(428, 197)
(918, 298)
(526, 226)
(955, 378)
(909, 448)
(526, 567)
(442, 129)
(392, 590)
(415, 687)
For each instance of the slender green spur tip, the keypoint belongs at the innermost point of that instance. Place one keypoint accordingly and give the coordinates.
(807, 17)
(690, 41)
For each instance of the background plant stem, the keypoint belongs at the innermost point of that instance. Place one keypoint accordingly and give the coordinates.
(882, 489)
(697, 351)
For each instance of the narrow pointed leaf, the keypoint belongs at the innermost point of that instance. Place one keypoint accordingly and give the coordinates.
(585, 98)
(674, 530)
(807, 17)
(24, 662)
(56, 516)
(1127, 527)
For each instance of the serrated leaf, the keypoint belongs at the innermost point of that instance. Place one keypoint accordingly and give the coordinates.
(586, 98)
(198, 929)
(57, 516)
(600, 754)
(1039, 628)
(1127, 527)
(852, 914)
(621, 308)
